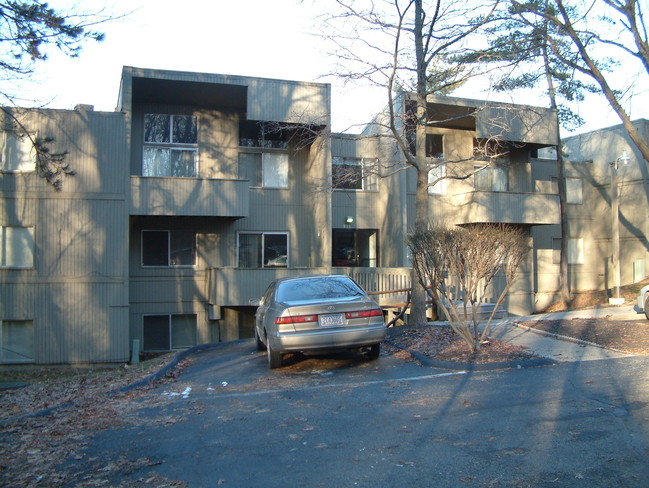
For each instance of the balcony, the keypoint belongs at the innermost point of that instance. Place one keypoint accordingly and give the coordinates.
(504, 208)
(189, 197)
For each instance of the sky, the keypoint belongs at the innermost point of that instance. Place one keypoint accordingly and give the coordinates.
(261, 38)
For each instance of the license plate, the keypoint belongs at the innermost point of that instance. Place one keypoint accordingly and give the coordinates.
(333, 320)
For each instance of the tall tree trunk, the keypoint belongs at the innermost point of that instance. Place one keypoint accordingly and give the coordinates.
(418, 304)
(564, 276)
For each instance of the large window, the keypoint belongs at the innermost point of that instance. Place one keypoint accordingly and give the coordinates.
(167, 332)
(490, 178)
(16, 247)
(16, 153)
(263, 250)
(354, 174)
(16, 341)
(168, 248)
(266, 170)
(170, 145)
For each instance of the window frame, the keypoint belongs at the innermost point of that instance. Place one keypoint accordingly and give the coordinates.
(368, 180)
(22, 167)
(576, 196)
(488, 172)
(170, 316)
(438, 188)
(170, 147)
(4, 247)
(263, 169)
(263, 247)
(169, 249)
(30, 346)
(576, 251)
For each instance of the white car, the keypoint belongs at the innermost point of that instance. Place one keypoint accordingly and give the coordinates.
(643, 301)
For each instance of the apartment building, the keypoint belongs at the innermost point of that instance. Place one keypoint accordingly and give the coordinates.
(593, 159)
(202, 188)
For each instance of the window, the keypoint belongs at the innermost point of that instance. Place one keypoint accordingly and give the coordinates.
(263, 250)
(170, 145)
(434, 174)
(355, 248)
(490, 178)
(576, 251)
(264, 170)
(16, 153)
(354, 174)
(16, 247)
(168, 248)
(167, 332)
(253, 133)
(434, 144)
(16, 341)
(574, 190)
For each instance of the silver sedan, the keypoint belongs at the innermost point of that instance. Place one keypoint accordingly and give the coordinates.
(317, 314)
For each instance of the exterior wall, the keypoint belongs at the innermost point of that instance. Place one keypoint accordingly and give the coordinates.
(89, 292)
(382, 208)
(77, 293)
(592, 155)
(234, 206)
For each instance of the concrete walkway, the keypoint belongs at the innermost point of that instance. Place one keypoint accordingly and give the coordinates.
(562, 348)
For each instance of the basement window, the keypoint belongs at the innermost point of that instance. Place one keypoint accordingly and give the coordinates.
(168, 332)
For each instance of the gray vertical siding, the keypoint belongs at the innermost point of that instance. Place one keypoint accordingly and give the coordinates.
(76, 294)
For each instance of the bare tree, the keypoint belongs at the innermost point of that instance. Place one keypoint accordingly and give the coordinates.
(457, 265)
(29, 30)
(408, 48)
(596, 29)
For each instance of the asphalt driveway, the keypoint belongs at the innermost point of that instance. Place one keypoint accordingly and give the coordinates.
(340, 422)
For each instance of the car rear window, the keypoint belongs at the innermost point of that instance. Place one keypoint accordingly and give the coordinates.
(317, 288)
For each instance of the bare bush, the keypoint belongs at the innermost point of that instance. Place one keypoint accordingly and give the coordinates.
(456, 265)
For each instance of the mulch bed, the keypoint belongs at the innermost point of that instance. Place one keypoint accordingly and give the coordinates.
(441, 343)
(630, 336)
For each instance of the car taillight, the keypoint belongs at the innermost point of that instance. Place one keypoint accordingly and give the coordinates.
(361, 314)
(296, 319)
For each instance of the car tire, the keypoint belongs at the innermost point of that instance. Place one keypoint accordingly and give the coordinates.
(274, 357)
(646, 305)
(373, 352)
(258, 342)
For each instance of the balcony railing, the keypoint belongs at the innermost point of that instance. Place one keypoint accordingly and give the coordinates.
(189, 197)
(232, 287)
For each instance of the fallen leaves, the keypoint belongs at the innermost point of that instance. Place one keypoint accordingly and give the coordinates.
(441, 343)
(47, 450)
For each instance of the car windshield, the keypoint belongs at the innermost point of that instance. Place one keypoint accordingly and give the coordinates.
(326, 287)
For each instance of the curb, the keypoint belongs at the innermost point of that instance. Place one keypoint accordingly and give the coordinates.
(523, 363)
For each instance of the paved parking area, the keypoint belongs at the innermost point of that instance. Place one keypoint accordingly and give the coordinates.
(337, 421)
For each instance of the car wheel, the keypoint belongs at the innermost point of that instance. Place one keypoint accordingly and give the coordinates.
(373, 352)
(274, 357)
(258, 342)
(646, 305)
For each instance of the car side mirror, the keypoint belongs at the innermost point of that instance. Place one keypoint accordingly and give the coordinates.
(254, 302)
